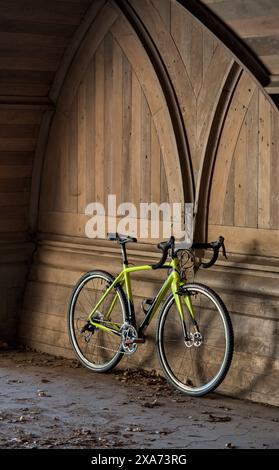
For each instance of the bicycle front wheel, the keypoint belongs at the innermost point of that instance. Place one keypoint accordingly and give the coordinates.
(197, 366)
(97, 348)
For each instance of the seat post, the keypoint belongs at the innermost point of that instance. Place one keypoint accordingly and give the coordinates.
(124, 254)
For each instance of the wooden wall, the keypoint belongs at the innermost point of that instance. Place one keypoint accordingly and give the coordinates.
(153, 107)
(255, 22)
(34, 36)
(244, 195)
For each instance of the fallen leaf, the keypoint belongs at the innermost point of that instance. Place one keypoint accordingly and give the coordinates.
(42, 393)
(134, 429)
(10, 381)
(218, 419)
(152, 404)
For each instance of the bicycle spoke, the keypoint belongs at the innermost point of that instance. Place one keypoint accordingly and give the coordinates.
(96, 347)
(196, 367)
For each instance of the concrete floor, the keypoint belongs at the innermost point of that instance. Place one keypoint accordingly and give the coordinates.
(47, 402)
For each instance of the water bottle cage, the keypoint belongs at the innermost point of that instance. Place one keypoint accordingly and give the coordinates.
(145, 303)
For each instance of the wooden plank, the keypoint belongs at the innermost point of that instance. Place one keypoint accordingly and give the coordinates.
(14, 185)
(274, 172)
(94, 37)
(264, 162)
(271, 62)
(39, 345)
(41, 28)
(146, 75)
(73, 224)
(55, 171)
(127, 131)
(44, 335)
(71, 145)
(117, 122)
(26, 77)
(267, 45)
(212, 1)
(240, 179)
(14, 224)
(20, 117)
(155, 174)
(145, 181)
(181, 22)
(135, 147)
(164, 195)
(209, 46)
(139, 61)
(40, 151)
(163, 8)
(170, 42)
(73, 46)
(210, 93)
(23, 103)
(16, 158)
(29, 41)
(19, 131)
(90, 134)
(15, 60)
(23, 90)
(46, 298)
(20, 236)
(250, 9)
(228, 141)
(249, 241)
(252, 119)
(181, 25)
(99, 124)
(108, 175)
(81, 147)
(229, 205)
(43, 11)
(14, 199)
(11, 212)
(13, 144)
(170, 155)
(48, 323)
(256, 27)
(196, 57)
(15, 171)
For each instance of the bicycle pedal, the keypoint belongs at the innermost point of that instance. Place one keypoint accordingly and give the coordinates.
(135, 341)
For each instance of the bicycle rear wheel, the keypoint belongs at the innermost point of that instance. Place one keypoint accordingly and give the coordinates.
(97, 349)
(198, 366)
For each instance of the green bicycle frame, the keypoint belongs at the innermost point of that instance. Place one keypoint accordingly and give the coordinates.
(172, 282)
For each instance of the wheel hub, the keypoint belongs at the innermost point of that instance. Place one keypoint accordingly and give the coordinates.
(195, 339)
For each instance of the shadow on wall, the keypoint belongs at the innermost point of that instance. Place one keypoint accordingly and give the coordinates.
(253, 308)
(254, 313)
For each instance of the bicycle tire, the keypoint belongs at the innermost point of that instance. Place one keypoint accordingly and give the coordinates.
(169, 356)
(76, 339)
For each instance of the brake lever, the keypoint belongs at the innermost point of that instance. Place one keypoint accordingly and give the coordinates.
(224, 251)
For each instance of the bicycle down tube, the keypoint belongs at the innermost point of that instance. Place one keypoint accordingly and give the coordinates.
(172, 282)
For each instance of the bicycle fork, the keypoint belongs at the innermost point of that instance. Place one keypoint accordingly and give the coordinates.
(178, 292)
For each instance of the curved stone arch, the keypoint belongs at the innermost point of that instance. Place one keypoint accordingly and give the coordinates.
(109, 22)
(142, 66)
(207, 167)
(110, 19)
(232, 127)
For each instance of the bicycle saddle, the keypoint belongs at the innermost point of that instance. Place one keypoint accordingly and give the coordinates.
(122, 239)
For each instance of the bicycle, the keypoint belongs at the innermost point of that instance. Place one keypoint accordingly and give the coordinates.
(194, 334)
